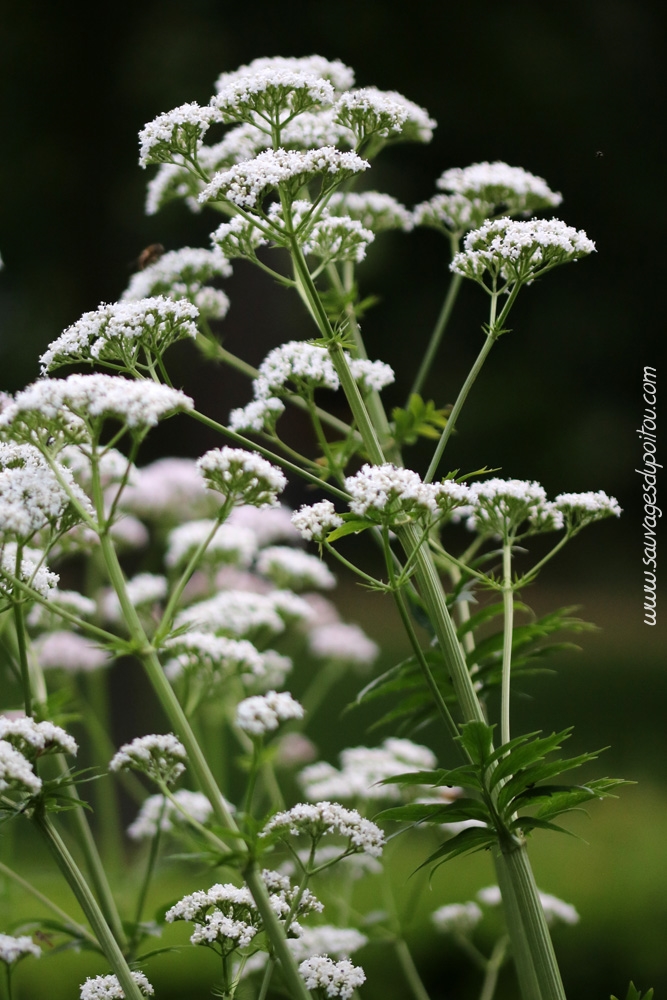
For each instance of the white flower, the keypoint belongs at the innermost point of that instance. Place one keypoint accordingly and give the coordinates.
(63, 404)
(258, 415)
(519, 251)
(229, 544)
(297, 362)
(341, 942)
(580, 509)
(337, 979)
(172, 180)
(341, 76)
(274, 94)
(363, 769)
(160, 757)
(453, 212)
(157, 809)
(374, 210)
(213, 657)
(170, 489)
(336, 238)
(71, 652)
(108, 987)
(241, 476)
(183, 274)
(555, 909)
(294, 569)
(33, 495)
(369, 112)
(13, 948)
(269, 525)
(123, 331)
(235, 613)
(263, 714)
(36, 738)
(500, 506)
(389, 490)
(247, 183)
(371, 375)
(16, 773)
(32, 570)
(457, 917)
(314, 522)
(321, 818)
(498, 183)
(346, 643)
(178, 131)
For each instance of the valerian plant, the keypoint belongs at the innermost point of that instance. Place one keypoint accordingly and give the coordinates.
(225, 598)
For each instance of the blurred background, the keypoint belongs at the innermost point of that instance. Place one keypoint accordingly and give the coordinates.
(573, 93)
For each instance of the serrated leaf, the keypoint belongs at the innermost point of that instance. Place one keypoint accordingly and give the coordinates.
(538, 772)
(474, 838)
(459, 811)
(530, 752)
(477, 739)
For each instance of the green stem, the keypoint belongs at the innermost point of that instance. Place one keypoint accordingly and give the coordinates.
(508, 626)
(275, 934)
(89, 906)
(19, 624)
(148, 875)
(409, 970)
(534, 957)
(76, 930)
(493, 967)
(436, 336)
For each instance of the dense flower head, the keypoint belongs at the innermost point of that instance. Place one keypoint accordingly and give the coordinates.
(227, 543)
(36, 738)
(341, 76)
(214, 658)
(172, 181)
(457, 917)
(52, 406)
(12, 948)
(335, 979)
(262, 714)
(339, 942)
(371, 112)
(455, 213)
(157, 811)
(118, 333)
(337, 238)
(66, 650)
(269, 524)
(511, 189)
(175, 133)
(342, 643)
(246, 184)
(272, 95)
(238, 238)
(580, 509)
(32, 571)
(293, 569)
(518, 251)
(363, 769)
(16, 771)
(390, 492)
(373, 209)
(160, 757)
(242, 477)
(315, 521)
(169, 489)
(243, 614)
(184, 275)
(501, 506)
(108, 987)
(321, 818)
(33, 495)
(257, 415)
(297, 362)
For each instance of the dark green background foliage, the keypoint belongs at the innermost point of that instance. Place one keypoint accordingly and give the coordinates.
(572, 92)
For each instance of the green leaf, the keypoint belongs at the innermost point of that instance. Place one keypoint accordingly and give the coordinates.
(528, 823)
(352, 527)
(532, 751)
(459, 811)
(418, 419)
(475, 838)
(477, 739)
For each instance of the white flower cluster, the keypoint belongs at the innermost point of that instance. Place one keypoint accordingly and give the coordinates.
(341, 76)
(31, 571)
(322, 818)
(336, 979)
(242, 614)
(389, 491)
(238, 238)
(213, 659)
(108, 987)
(579, 509)
(363, 769)
(343, 643)
(16, 772)
(68, 651)
(337, 238)
(227, 543)
(242, 476)
(314, 522)
(304, 367)
(274, 94)
(262, 714)
(64, 404)
(118, 332)
(157, 810)
(293, 569)
(175, 133)
(369, 111)
(13, 948)
(246, 184)
(460, 918)
(169, 490)
(32, 494)
(555, 909)
(161, 757)
(374, 210)
(514, 188)
(36, 738)
(339, 942)
(518, 251)
(183, 275)
(454, 213)
(144, 589)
